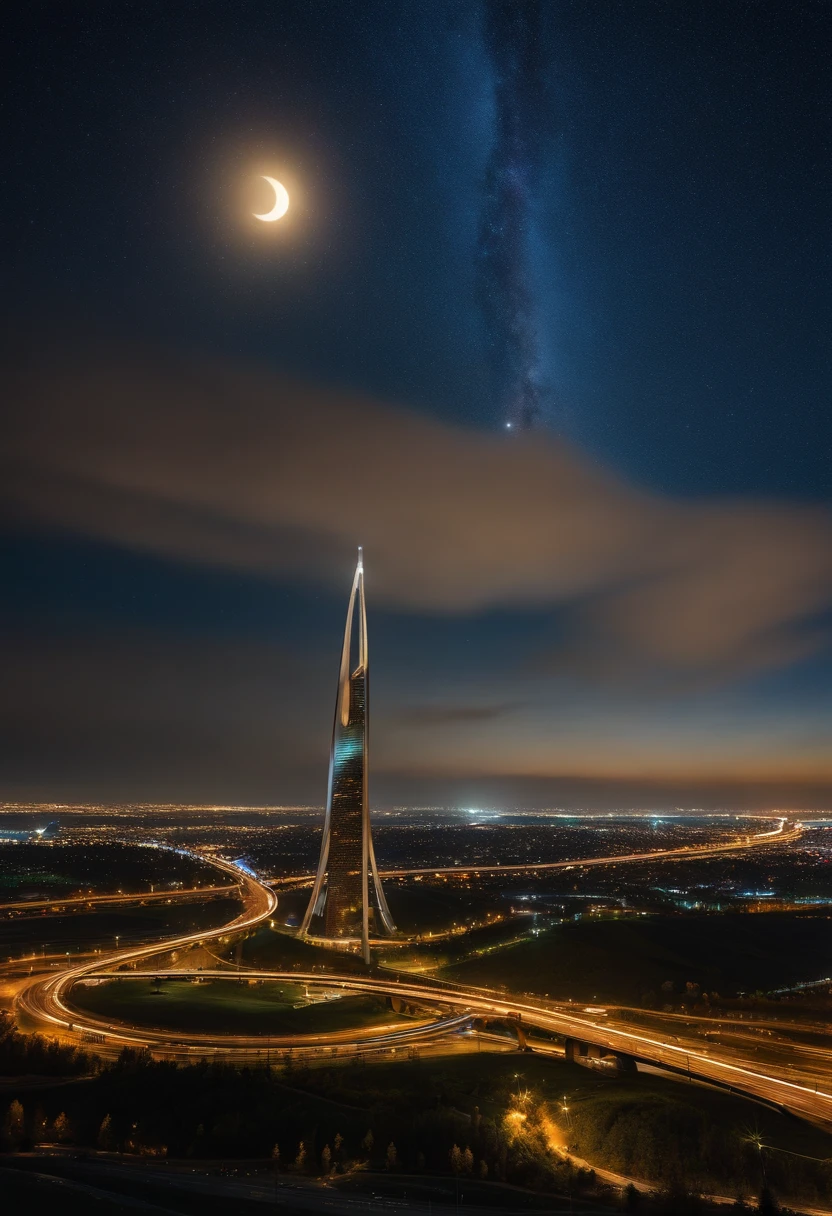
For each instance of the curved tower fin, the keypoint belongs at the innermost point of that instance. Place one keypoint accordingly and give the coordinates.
(347, 863)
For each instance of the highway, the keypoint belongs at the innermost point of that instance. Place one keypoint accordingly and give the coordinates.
(45, 1001)
(82, 902)
(682, 853)
(779, 835)
(42, 1000)
(712, 1063)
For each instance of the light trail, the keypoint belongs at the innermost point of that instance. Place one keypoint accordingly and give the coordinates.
(44, 1000)
(121, 897)
(685, 852)
(473, 1002)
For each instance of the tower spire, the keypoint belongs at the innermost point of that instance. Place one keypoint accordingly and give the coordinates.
(347, 893)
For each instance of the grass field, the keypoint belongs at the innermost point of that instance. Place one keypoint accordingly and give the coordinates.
(635, 1123)
(623, 960)
(491, 1079)
(58, 868)
(639, 1124)
(227, 1006)
(268, 949)
(88, 930)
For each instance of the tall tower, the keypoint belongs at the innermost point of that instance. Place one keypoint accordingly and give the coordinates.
(347, 897)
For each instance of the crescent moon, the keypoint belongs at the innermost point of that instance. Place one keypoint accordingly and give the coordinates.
(281, 202)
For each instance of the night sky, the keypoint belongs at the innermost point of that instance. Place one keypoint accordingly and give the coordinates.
(546, 329)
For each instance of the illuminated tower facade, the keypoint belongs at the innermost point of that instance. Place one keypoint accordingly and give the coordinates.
(348, 902)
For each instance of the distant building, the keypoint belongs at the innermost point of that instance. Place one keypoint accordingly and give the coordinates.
(23, 835)
(348, 903)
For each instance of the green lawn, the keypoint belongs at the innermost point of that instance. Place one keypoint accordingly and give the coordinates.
(490, 1080)
(83, 930)
(58, 868)
(227, 1006)
(622, 960)
(271, 949)
(641, 1124)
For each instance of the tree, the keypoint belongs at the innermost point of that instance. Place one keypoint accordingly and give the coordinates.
(338, 1142)
(768, 1205)
(40, 1123)
(276, 1157)
(196, 1145)
(483, 1168)
(300, 1160)
(326, 1159)
(632, 1199)
(468, 1160)
(106, 1136)
(367, 1143)
(62, 1128)
(677, 1201)
(455, 1156)
(13, 1124)
(392, 1156)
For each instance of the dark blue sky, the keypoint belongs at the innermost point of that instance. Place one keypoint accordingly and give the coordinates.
(660, 221)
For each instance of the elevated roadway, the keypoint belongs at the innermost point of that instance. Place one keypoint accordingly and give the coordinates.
(43, 1000)
(779, 835)
(46, 1002)
(83, 902)
(714, 1064)
(782, 834)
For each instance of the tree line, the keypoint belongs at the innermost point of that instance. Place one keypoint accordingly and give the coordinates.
(22, 1054)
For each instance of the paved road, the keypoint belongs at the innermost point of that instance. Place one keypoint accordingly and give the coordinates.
(45, 1001)
(779, 835)
(772, 1081)
(131, 897)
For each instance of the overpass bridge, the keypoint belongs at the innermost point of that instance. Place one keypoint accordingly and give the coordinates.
(47, 1003)
(466, 1005)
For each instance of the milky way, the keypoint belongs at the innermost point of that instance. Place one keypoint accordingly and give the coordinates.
(513, 38)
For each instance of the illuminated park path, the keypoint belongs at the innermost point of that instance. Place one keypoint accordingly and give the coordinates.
(45, 1001)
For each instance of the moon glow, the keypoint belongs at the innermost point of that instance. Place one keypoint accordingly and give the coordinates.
(281, 202)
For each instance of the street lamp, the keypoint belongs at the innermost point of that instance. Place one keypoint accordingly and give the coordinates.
(757, 1140)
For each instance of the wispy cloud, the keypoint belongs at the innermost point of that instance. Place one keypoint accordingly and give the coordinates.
(452, 715)
(212, 462)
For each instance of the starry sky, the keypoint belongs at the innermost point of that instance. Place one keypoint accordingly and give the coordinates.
(546, 329)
